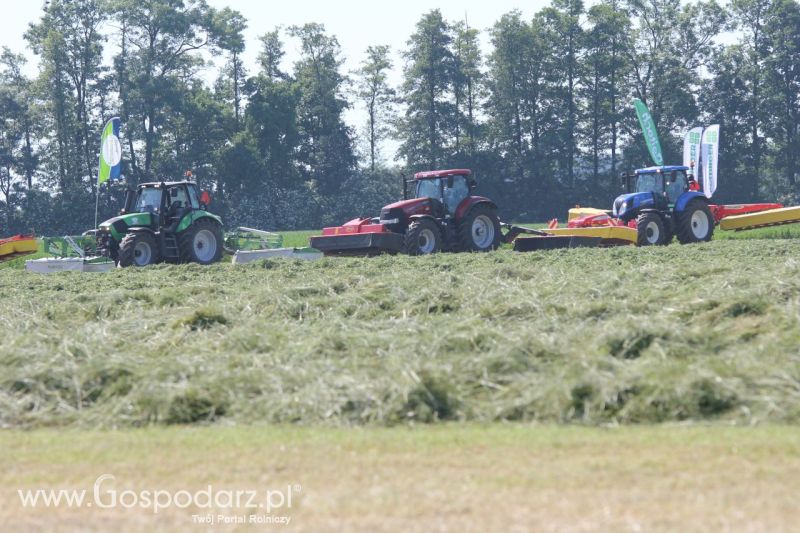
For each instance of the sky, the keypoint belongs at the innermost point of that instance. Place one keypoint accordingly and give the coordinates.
(356, 23)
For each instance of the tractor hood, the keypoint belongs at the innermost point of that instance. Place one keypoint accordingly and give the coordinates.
(118, 226)
(396, 216)
(413, 206)
(627, 203)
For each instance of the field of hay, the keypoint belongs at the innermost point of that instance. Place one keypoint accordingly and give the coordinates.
(592, 336)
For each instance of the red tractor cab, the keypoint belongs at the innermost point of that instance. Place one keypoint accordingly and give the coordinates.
(441, 215)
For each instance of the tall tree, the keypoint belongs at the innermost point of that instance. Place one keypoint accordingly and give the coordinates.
(783, 74)
(671, 41)
(604, 88)
(377, 96)
(326, 147)
(21, 89)
(426, 92)
(271, 122)
(563, 19)
(161, 40)
(467, 85)
(229, 26)
(68, 38)
(750, 17)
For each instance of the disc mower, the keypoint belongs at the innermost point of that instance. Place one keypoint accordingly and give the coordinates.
(165, 221)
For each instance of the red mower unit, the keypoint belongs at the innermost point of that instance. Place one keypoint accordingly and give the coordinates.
(442, 215)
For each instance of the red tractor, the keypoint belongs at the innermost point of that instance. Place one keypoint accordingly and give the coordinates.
(443, 215)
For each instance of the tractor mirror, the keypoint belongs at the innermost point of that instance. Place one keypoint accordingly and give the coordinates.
(205, 198)
(449, 182)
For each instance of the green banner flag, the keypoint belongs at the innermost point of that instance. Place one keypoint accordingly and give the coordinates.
(649, 130)
(110, 152)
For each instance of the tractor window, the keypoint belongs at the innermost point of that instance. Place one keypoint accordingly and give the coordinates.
(677, 186)
(193, 197)
(178, 194)
(429, 189)
(149, 200)
(651, 182)
(455, 194)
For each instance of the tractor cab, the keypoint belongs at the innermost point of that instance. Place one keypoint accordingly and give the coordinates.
(669, 182)
(450, 188)
(654, 188)
(166, 202)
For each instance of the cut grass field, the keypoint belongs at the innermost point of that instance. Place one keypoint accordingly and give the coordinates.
(592, 336)
(448, 477)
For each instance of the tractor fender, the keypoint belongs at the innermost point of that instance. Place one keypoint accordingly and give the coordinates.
(686, 197)
(412, 218)
(470, 202)
(191, 217)
(141, 229)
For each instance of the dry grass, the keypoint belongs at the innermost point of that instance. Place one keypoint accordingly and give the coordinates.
(454, 478)
(581, 336)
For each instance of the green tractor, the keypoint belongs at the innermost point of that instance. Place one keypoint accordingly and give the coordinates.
(164, 221)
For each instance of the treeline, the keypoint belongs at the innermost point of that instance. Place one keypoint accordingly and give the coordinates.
(543, 116)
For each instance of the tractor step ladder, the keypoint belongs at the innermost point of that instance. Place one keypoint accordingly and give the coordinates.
(171, 246)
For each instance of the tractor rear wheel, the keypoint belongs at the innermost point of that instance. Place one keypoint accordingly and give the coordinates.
(201, 242)
(423, 237)
(650, 229)
(695, 223)
(479, 231)
(138, 249)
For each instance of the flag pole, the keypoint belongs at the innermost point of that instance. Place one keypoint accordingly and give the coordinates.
(96, 202)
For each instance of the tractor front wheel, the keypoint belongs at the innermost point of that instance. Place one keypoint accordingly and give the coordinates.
(651, 230)
(423, 237)
(138, 249)
(479, 231)
(695, 223)
(201, 242)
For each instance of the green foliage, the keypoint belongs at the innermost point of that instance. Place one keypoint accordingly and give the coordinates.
(542, 115)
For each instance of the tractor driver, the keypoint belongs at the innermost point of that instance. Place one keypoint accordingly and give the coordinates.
(676, 185)
(454, 193)
(177, 200)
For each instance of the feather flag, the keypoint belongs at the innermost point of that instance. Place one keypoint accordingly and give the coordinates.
(110, 152)
(691, 150)
(649, 130)
(709, 159)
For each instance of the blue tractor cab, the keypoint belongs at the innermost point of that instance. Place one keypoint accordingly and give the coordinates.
(665, 203)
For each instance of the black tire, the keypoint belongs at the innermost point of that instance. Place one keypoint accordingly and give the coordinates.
(479, 230)
(138, 249)
(423, 237)
(695, 223)
(651, 230)
(196, 242)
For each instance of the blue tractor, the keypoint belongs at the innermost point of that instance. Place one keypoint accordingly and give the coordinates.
(665, 202)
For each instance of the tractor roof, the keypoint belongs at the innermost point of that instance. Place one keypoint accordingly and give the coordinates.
(167, 183)
(442, 173)
(653, 170)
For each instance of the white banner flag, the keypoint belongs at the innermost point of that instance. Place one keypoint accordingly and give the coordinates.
(691, 151)
(709, 157)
